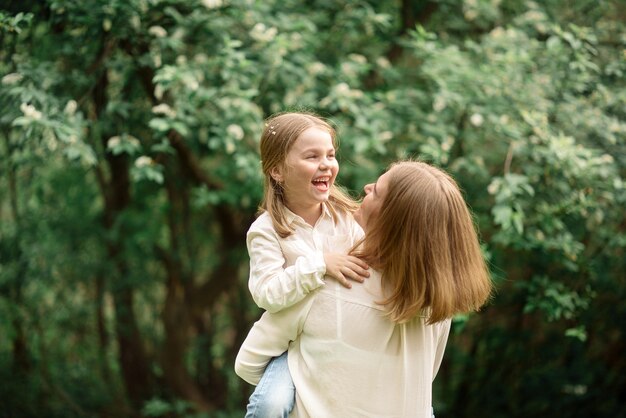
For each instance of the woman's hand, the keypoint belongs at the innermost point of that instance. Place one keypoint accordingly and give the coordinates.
(343, 267)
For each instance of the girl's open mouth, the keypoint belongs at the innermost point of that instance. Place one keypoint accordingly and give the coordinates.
(322, 183)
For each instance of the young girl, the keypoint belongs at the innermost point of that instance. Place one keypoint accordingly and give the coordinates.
(303, 234)
(373, 351)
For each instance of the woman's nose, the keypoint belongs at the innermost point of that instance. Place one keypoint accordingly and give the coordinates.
(367, 188)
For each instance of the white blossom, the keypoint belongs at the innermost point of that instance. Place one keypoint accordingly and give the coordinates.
(30, 111)
(383, 62)
(143, 161)
(70, 107)
(201, 58)
(497, 32)
(164, 109)
(470, 14)
(477, 119)
(439, 104)
(493, 187)
(316, 68)
(358, 58)
(158, 91)
(132, 140)
(135, 22)
(212, 4)
(349, 69)
(342, 88)
(608, 159)
(12, 78)
(235, 131)
(385, 136)
(296, 39)
(113, 142)
(51, 142)
(157, 31)
(192, 84)
(262, 33)
(157, 60)
(190, 81)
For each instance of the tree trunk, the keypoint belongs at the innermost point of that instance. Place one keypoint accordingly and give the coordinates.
(177, 338)
(132, 356)
(103, 337)
(21, 360)
(133, 359)
(412, 13)
(176, 317)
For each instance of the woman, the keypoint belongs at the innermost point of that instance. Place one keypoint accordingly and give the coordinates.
(374, 350)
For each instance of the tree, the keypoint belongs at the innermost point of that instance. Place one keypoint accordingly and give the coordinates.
(130, 174)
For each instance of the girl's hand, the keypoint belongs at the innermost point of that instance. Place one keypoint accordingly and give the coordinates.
(343, 267)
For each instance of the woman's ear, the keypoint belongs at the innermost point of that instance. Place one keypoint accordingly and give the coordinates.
(277, 174)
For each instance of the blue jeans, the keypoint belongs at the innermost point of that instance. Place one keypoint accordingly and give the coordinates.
(275, 395)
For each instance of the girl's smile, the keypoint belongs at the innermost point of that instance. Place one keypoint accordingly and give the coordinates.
(322, 183)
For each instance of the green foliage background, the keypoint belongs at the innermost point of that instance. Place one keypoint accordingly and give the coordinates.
(129, 174)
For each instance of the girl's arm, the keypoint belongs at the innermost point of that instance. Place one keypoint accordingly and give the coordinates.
(274, 287)
(343, 266)
(270, 337)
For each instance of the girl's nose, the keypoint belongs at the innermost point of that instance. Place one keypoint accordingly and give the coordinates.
(324, 163)
(367, 188)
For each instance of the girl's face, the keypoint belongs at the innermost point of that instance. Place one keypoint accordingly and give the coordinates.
(309, 171)
(375, 194)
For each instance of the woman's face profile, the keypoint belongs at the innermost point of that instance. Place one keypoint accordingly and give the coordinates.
(375, 194)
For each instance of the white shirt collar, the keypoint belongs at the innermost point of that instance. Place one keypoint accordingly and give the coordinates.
(291, 217)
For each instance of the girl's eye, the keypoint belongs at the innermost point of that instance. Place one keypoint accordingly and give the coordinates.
(331, 156)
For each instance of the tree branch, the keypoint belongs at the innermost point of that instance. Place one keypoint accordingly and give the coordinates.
(189, 164)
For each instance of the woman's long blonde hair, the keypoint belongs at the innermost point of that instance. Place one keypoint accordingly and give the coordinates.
(280, 133)
(424, 243)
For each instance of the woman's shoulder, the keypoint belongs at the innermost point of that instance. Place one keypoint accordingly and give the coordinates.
(369, 293)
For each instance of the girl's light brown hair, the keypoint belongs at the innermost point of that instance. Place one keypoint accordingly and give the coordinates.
(280, 133)
(424, 243)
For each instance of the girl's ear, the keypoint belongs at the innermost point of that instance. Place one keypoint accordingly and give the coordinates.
(277, 174)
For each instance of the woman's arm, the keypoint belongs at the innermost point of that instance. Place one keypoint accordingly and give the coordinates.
(270, 337)
(443, 329)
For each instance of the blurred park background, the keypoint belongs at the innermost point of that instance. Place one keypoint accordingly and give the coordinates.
(129, 174)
